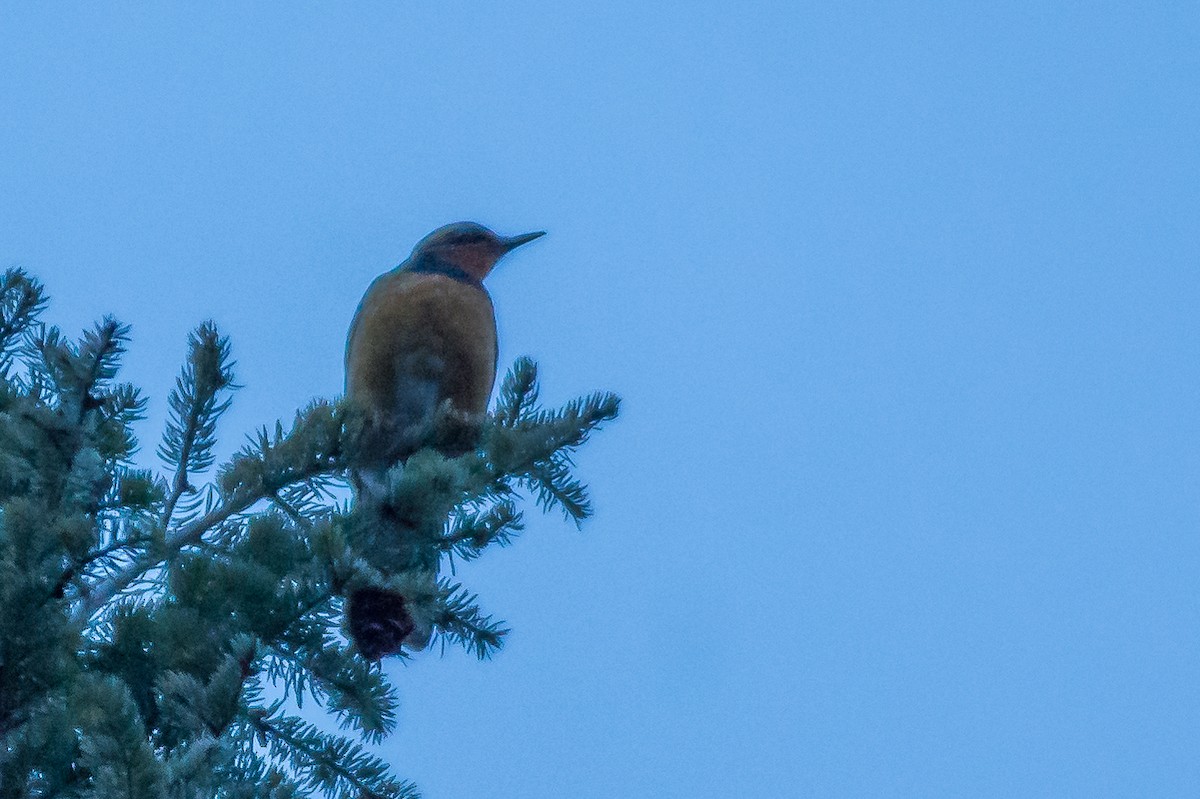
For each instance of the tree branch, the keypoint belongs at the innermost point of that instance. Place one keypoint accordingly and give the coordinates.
(81, 564)
(187, 535)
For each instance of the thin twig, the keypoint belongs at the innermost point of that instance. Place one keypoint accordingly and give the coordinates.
(292, 513)
(187, 535)
(81, 564)
(315, 757)
(180, 484)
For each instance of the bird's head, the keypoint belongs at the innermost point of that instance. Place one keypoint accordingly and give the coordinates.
(469, 246)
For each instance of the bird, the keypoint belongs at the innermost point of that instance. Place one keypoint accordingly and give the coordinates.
(422, 348)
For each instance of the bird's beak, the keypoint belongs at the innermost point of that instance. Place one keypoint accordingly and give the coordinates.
(513, 242)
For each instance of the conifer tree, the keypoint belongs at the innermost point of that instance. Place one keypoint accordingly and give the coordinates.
(144, 617)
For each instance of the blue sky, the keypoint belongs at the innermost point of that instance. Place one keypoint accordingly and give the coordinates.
(902, 299)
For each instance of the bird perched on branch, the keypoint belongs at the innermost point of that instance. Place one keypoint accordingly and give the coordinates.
(422, 349)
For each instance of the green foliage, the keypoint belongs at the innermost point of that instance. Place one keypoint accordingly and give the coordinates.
(197, 401)
(142, 617)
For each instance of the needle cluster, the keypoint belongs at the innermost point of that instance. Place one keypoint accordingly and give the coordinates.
(160, 628)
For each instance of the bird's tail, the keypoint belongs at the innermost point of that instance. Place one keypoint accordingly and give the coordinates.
(383, 620)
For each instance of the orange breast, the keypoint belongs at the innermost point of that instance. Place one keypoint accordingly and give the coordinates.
(422, 327)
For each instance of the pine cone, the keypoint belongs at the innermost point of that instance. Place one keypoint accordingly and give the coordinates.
(378, 622)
